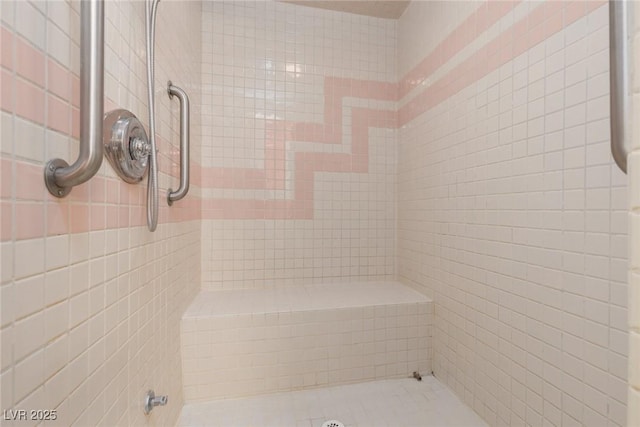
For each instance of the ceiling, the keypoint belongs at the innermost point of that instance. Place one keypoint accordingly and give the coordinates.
(390, 9)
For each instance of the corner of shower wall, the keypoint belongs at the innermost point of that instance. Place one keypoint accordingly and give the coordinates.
(512, 214)
(299, 146)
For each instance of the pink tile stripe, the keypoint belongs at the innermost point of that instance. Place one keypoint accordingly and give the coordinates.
(30, 62)
(6, 48)
(59, 80)
(7, 90)
(24, 93)
(89, 209)
(543, 21)
(486, 15)
(101, 203)
(6, 181)
(277, 132)
(306, 164)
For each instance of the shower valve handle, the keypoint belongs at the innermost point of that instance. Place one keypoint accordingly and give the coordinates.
(139, 148)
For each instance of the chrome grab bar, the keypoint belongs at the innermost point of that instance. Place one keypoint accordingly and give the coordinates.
(619, 80)
(172, 196)
(59, 177)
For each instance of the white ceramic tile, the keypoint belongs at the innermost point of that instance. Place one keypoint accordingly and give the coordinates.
(351, 235)
(56, 325)
(498, 237)
(30, 23)
(246, 342)
(309, 297)
(633, 161)
(513, 208)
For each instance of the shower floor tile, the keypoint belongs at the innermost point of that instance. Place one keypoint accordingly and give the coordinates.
(393, 403)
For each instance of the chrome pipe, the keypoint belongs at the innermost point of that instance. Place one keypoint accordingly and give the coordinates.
(619, 80)
(172, 196)
(60, 178)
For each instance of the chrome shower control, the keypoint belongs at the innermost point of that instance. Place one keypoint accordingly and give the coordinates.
(126, 145)
(139, 148)
(151, 401)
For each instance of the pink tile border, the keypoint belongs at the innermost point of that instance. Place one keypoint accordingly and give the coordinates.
(29, 220)
(29, 101)
(30, 185)
(486, 15)
(306, 164)
(277, 132)
(58, 80)
(58, 115)
(30, 62)
(6, 220)
(95, 205)
(6, 181)
(542, 22)
(6, 48)
(7, 90)
(79, 217)
(99, 205)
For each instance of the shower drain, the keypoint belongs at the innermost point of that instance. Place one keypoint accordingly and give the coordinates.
(332, 423)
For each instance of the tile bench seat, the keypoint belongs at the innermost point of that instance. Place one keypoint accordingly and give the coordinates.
(254, 341)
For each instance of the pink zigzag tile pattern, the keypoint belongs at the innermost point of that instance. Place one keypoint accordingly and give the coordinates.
(542, 22)
(306, 163)
(88, 208)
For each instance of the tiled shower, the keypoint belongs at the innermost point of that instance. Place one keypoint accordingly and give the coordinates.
(370, 197)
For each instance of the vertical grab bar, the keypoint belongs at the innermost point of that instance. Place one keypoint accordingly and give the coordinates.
(59, 177)
(173, 196)
(619, 80)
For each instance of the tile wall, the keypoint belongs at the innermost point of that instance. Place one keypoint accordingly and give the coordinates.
(487, 132)
(633, 170)
(299, 145)
(303, 337)
(90, 300)
(511, 212)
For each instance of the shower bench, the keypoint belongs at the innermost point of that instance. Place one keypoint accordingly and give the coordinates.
(254, 341)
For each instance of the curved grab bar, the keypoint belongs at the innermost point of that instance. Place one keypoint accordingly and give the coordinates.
(173, 196)
(619, 80)
(59, 177)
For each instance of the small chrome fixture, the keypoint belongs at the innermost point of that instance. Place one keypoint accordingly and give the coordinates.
(151, 401)
(126, 145)
(620, 80)
(172, 196)
(59, 177)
